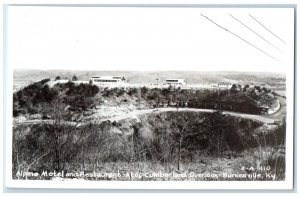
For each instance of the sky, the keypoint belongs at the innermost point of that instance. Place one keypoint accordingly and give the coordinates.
(99, 38)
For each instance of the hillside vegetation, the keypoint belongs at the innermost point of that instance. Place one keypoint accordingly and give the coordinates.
(172, 141)
(34, 98)
(70, 138)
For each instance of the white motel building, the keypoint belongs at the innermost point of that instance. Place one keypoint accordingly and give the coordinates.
(176, 82)
(108, 79)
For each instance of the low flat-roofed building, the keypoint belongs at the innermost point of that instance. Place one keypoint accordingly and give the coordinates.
(179, 82)
(108, 79)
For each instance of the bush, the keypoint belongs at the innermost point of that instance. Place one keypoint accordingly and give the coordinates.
(132, 91)
(109, 92)
(144, 90)
(28, 99)
(120, 92)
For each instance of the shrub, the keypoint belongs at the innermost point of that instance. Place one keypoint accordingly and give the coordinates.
(132, 91)
(144, 90)
(120, 92)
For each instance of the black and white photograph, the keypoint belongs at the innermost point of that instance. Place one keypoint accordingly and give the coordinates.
(190, 96)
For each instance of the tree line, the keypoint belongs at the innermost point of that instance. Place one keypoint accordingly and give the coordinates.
(81, 97)
(31, 98)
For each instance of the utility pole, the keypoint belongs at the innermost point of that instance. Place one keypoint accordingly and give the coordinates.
(156, 80)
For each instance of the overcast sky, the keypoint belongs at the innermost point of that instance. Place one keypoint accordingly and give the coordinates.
(95, 38)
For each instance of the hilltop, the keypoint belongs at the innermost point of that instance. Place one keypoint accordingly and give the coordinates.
(146, 77)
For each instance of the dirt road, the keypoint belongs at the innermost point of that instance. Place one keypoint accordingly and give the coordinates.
(136, 113)
(281, 113)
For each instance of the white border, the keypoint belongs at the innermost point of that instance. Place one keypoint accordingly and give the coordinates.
(273, 185)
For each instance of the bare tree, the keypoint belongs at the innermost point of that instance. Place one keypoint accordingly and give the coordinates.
(64, 137)
(185, 127)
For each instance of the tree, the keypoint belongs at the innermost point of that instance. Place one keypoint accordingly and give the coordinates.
(222, 133)
(57, 78)
(64, 138)
(166, 91)
(185, 130)
(74, 78)
(28, 98)
(44, 81)
(16, 105)
(233, 88)
(48, 94)
(246, 87)
(144, 90)
(239, 87)
(257, 88)
(132, 91)
(265, 89)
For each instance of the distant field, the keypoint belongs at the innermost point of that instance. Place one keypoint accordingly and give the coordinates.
(149, 77)
(19, 83)
(281, 92)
